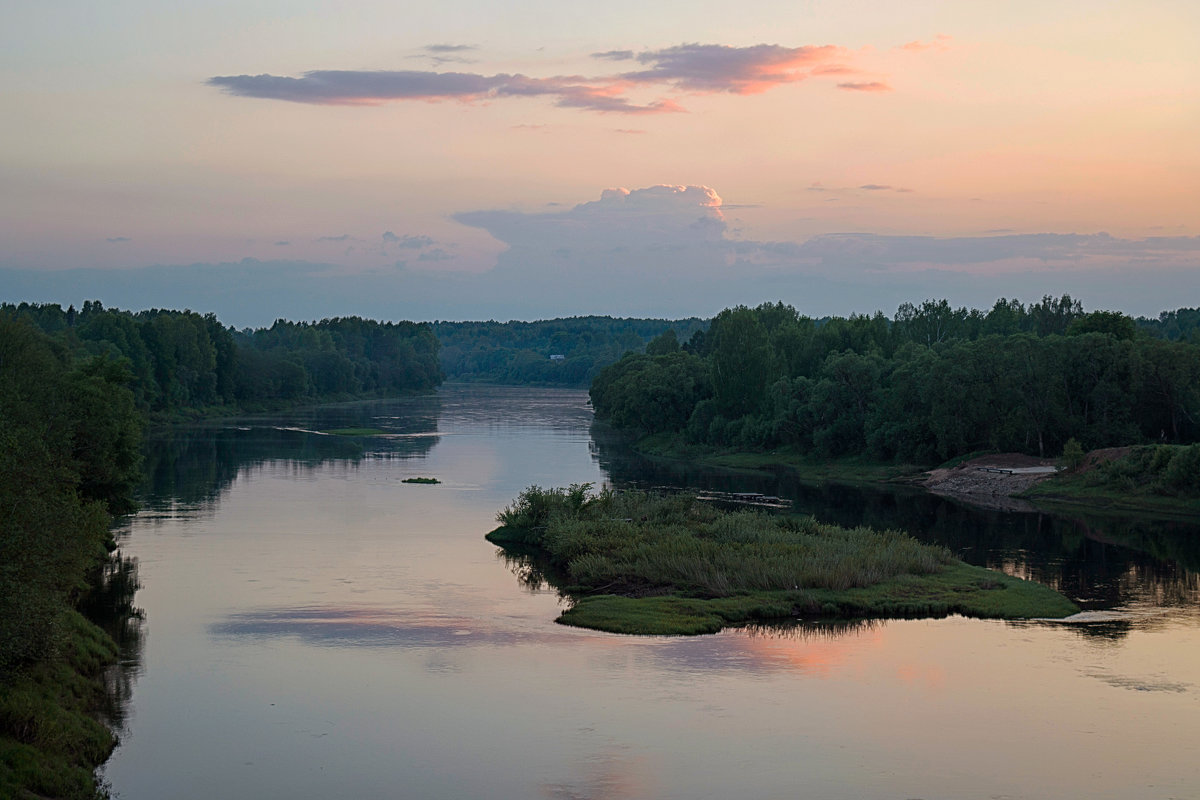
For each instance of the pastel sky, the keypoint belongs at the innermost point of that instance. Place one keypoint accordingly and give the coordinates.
(468, 159)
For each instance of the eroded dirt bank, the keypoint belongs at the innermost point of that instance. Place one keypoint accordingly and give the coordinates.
(991, 480)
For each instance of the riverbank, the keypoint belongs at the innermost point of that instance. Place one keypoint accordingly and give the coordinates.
(1113, 479)
(648, 564)
(853, 470)
(158, 420)
(51, 740)
(1157, 479)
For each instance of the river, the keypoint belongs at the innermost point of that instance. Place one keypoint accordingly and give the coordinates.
(313, 627)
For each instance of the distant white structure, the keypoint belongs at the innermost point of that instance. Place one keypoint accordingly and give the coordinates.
(558, 357)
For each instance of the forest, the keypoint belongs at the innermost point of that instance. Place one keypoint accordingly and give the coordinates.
(931, 384)
(76, 390)
(520, 352)
(70, 438)
(182, 362)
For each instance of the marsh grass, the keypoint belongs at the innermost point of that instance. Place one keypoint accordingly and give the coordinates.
(423, 481)
(640, 563)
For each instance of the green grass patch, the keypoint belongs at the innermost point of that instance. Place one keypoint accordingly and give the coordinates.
(1155, 478)
(639, 563)
(355, 431)
(428, 481)
(50, 739)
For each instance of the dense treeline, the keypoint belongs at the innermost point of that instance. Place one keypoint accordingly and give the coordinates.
(520, 352)
(183, 361)
(345, 356)
(1180, 325)
(69, 451)
(931, 384)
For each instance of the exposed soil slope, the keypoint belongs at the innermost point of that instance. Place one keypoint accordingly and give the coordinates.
(991, 480)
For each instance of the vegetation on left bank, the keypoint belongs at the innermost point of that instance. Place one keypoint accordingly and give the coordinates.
(76, 390)
(670, 564)
(69, 452)
(181, 363)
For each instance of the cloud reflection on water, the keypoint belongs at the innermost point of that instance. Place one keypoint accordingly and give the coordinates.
(350, 626)
(816, 648)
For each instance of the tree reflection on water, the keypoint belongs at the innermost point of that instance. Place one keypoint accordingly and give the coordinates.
(109, 604)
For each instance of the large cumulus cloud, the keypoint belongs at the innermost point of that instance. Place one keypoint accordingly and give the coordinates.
(663, 251)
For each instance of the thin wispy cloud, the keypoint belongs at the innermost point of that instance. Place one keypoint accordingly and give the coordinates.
(883, 187)
(865, 86)
(447, 53)
(836, 69)
(344, 87)
(939, 42)
(117, 239)
(614, 55)
(693, 69)
(442, 49)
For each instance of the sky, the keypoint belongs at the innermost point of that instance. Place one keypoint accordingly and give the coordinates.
(536, 159)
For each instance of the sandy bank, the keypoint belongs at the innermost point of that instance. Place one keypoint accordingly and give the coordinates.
(991, 481)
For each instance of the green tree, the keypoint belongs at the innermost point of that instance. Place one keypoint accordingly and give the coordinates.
(1110, 323)
(664, 344)
(1072, 454)
(741, 361)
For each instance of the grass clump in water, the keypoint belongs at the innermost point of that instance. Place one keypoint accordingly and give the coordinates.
(429, 481)
(639, 563)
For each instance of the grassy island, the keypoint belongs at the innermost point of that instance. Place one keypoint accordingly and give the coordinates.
(670, 564)
(423, 481)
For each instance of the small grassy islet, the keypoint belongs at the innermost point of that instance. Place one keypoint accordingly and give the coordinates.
(426, 481)
(669, 564)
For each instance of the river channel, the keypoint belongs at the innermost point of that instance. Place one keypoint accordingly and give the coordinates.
(314, 627)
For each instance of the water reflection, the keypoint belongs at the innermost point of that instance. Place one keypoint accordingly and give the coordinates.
(188, 467)
(109, 604)
(533, 571)
(610, 775)
(324, 631)
(365, 626)
(1102, 561)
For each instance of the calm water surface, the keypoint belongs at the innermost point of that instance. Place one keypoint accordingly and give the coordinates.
(316, 628)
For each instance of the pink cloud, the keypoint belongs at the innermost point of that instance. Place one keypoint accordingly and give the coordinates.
(940, 42)
(835, 69)
(689, 68)
(738, 70)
